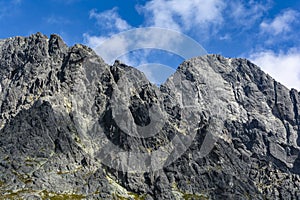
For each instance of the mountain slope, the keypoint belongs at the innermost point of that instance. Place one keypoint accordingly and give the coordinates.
(75, 127)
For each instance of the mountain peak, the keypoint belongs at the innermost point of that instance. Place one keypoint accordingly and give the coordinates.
(72, 126)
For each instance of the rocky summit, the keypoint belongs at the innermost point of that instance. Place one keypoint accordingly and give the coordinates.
(74, 127)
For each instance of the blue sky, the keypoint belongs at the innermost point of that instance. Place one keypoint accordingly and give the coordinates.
(266, 31)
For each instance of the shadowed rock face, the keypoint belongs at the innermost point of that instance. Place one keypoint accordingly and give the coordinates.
(223, 128)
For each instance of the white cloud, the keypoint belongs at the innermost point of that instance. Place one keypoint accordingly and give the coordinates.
(182, 15)
(281, 23)
(110, 20)
(225, 37)
(145, 38)
(201, 16)
(93, 41)
(246, 13)
(284, 67)
(111, 48)
(109, 23)
(57, 20)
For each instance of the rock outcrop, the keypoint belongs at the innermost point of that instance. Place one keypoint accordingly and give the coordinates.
(74, 127)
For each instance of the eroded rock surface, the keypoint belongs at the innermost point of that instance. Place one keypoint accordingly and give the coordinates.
(74, 127)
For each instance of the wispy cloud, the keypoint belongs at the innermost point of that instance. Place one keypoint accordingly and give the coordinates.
(214, 17)
(246, 13)
(109, 23)
(284, 67)
(225, 37)
(182, 15)
(110, 20)
(284, 63)
(201, 19)
(57, 20)
(173, 14)
(147, 38)
(93, 41)
(281, 24)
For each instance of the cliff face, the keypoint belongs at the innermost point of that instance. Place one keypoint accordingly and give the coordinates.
(74, 127)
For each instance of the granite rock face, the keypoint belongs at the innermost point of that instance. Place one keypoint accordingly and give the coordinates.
(72, 126)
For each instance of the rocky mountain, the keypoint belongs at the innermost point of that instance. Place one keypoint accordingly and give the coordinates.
(74, 127)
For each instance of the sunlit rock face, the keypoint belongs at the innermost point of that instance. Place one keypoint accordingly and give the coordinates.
(72, 126)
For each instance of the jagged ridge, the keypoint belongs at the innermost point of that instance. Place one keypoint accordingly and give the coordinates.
(57, 115)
